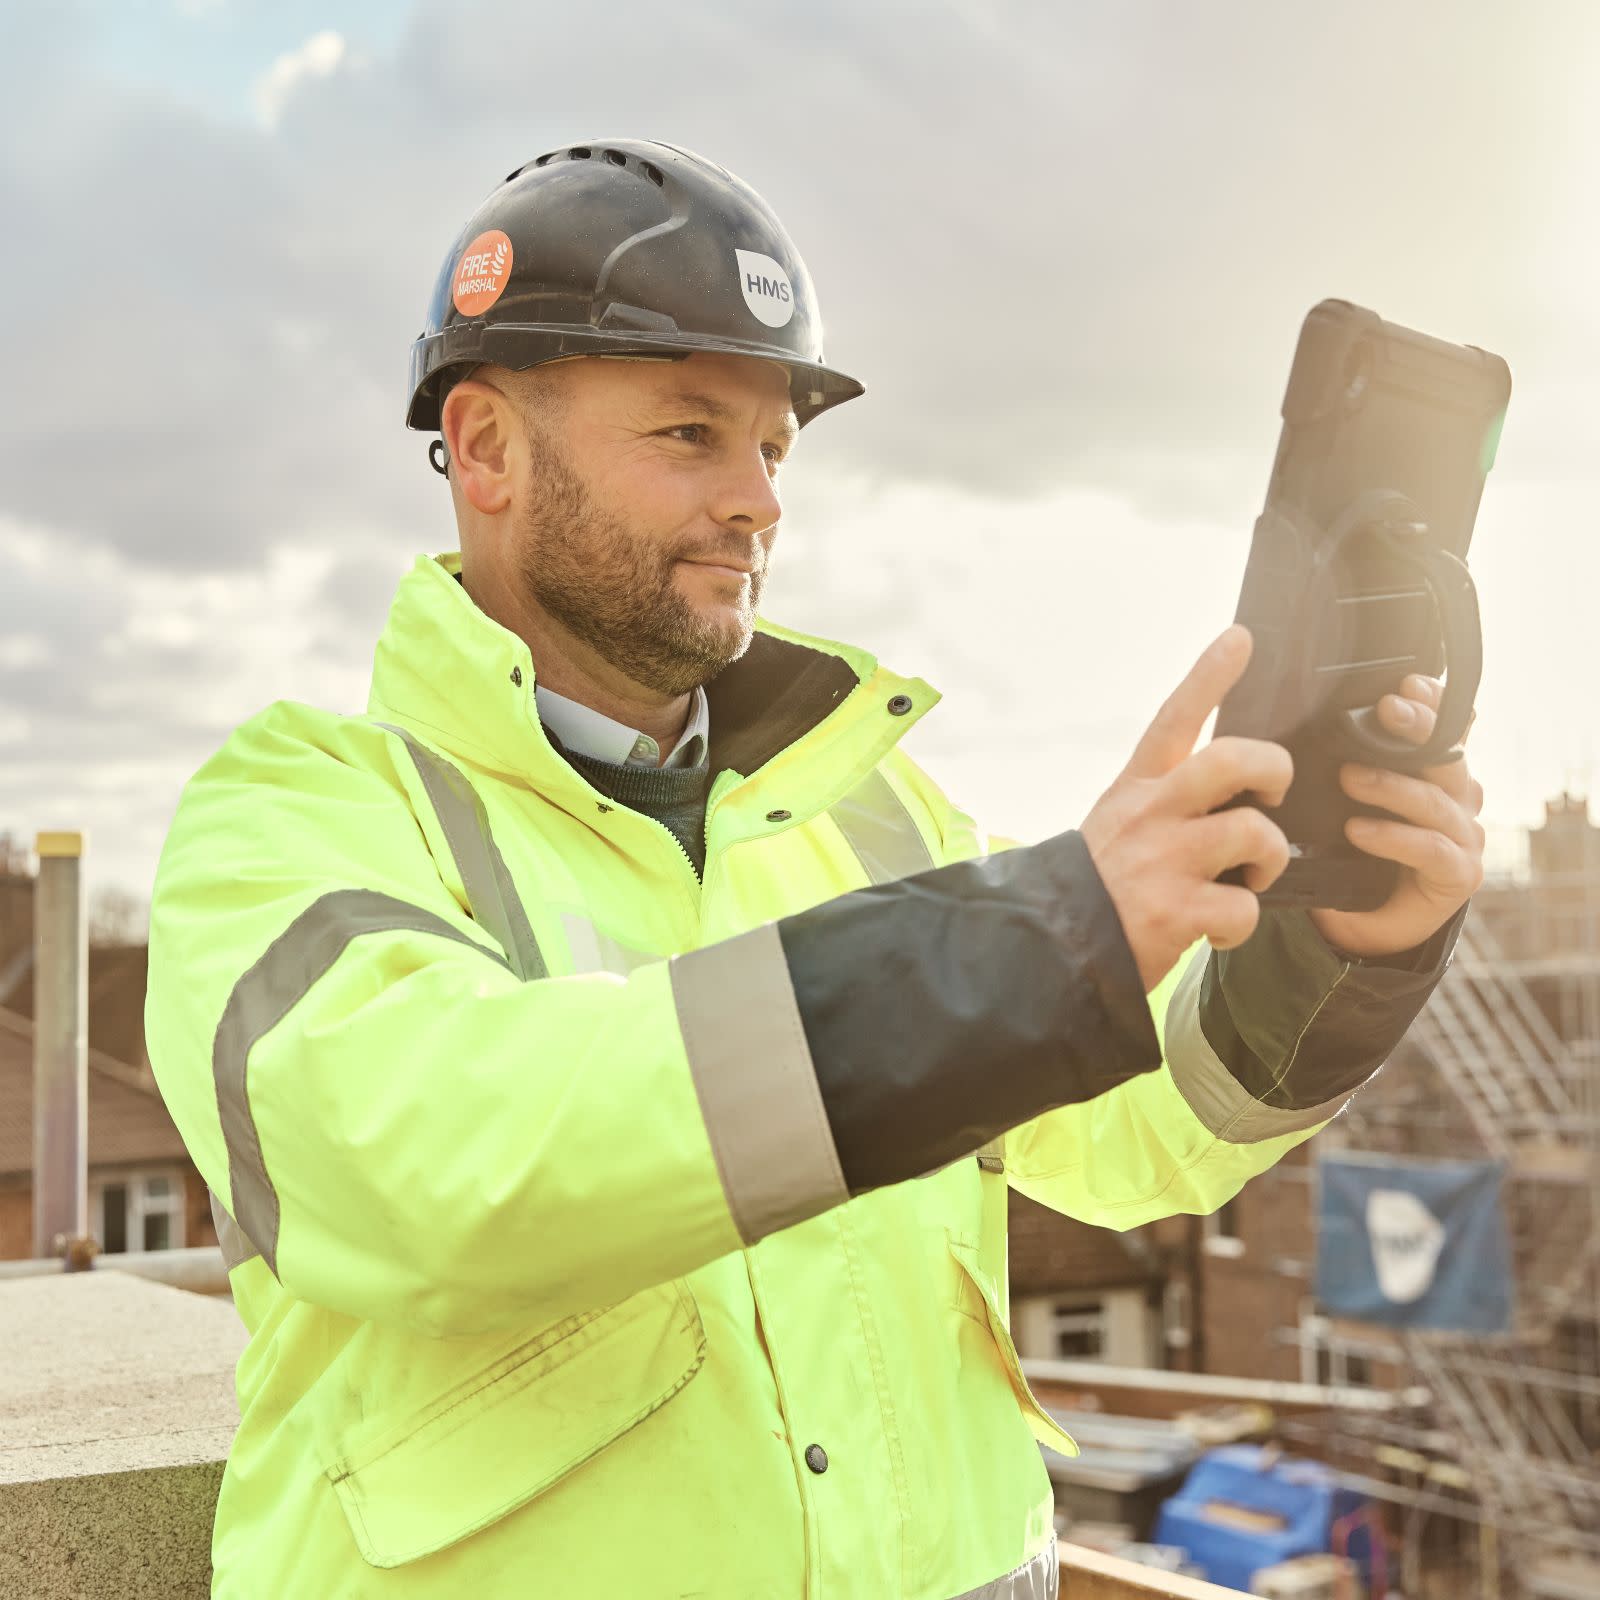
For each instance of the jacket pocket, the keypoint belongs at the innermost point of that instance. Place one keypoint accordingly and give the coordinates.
(1044, 1427)
(509, 1432)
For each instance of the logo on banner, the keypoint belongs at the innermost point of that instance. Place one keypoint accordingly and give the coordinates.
(1418, 1243)
(766, 287)
(1406, 1239)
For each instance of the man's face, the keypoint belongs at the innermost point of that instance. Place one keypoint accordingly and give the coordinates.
(651, 509)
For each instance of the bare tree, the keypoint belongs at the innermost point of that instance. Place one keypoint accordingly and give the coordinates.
(118, 917)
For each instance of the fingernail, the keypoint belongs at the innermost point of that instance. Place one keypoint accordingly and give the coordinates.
(1403, 711)
(1363, 775)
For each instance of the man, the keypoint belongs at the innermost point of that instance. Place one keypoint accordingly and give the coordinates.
(610, 1054)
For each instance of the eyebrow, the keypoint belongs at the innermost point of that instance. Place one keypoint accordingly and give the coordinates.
(708, 405)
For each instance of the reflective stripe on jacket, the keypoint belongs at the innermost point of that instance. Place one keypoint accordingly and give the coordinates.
(550, 1230)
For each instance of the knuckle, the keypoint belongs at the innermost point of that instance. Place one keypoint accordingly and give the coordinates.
(1240, 915)
(1266, 837)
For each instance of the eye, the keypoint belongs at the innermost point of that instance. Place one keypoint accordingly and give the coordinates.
(774, 453)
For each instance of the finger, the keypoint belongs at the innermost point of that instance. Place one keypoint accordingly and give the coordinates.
(1457, 781)
(1228, 766)
(1417, 686)
(1412, 800)
(1226, 915)
(1430, 692)
(1459, 784)
(1175, 729)
(1438, 861)
(1413, 720)
(1241, 837)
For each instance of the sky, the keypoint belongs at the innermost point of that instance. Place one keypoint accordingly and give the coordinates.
(1067, 249)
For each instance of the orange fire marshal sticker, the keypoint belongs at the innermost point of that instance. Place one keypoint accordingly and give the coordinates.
(482, 273)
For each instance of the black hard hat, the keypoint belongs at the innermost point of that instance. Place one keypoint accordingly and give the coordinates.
(623, 247)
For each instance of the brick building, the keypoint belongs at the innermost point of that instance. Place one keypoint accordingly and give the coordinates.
(144, 1193)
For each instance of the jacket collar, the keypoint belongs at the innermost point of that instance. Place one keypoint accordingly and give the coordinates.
(466, 684)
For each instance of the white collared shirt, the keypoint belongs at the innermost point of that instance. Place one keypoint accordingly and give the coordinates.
(587, 732)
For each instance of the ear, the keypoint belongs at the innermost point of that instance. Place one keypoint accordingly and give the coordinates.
(480, 440)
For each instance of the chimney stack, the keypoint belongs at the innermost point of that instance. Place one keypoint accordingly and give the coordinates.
(60, 1047)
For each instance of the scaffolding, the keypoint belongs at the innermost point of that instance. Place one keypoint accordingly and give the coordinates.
(1504, 1062)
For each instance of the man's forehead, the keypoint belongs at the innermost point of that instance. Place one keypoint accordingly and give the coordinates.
(683, 385)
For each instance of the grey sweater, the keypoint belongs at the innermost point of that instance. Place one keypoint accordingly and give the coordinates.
(674, 796)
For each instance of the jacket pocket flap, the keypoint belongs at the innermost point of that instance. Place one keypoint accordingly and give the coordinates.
(508, 1433)
(1045, 1427)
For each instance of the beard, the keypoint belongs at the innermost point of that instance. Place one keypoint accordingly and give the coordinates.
(614, 588)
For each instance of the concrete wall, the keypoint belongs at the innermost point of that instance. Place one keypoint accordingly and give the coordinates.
(118, 1405)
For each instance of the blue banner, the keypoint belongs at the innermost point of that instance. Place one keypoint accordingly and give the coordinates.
(1414, 1244)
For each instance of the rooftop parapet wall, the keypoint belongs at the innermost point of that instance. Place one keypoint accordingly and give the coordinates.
(117, 1409)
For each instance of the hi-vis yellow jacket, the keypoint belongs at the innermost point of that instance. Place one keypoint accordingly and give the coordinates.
(601, 1230)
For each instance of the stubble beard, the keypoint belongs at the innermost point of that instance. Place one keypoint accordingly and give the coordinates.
(615, 590)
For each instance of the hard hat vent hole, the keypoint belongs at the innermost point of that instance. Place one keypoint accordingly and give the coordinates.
(653, 174)
(579, 152)
(616, 158)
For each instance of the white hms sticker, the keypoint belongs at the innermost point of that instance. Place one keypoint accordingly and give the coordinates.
(766, 287)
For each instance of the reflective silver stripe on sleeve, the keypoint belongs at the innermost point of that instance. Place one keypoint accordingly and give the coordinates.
(877, 826)
(1215, 1096)
(1039, 1579)
(484, 874)
(263, 997)
(236, 1249)
(757, 1086)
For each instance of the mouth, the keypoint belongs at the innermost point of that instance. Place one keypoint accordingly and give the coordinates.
(725, 568)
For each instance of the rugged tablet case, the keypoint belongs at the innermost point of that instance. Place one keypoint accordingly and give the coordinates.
(1357, 575)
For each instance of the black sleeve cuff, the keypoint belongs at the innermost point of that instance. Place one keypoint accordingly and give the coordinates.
(944, 1008)
(1429, 958)
(1300, 1025)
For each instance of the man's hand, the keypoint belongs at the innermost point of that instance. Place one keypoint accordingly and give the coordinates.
(1153, 836)
(1438, 842)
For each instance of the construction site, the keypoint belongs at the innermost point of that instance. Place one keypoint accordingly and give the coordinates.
(1494, 1478)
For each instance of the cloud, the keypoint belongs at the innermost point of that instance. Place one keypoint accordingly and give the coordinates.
(1052, 249)
(1066, 248)
(318, 57)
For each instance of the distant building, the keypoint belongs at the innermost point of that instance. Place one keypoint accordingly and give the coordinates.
(1093, 1294)
(144, 1193)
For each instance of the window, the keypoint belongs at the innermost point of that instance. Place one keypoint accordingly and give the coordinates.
(138, 1211)
(1220, 1231)
(1078, 1330)
(1177, 1313)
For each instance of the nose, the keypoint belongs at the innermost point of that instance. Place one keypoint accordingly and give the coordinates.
(746, 498)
